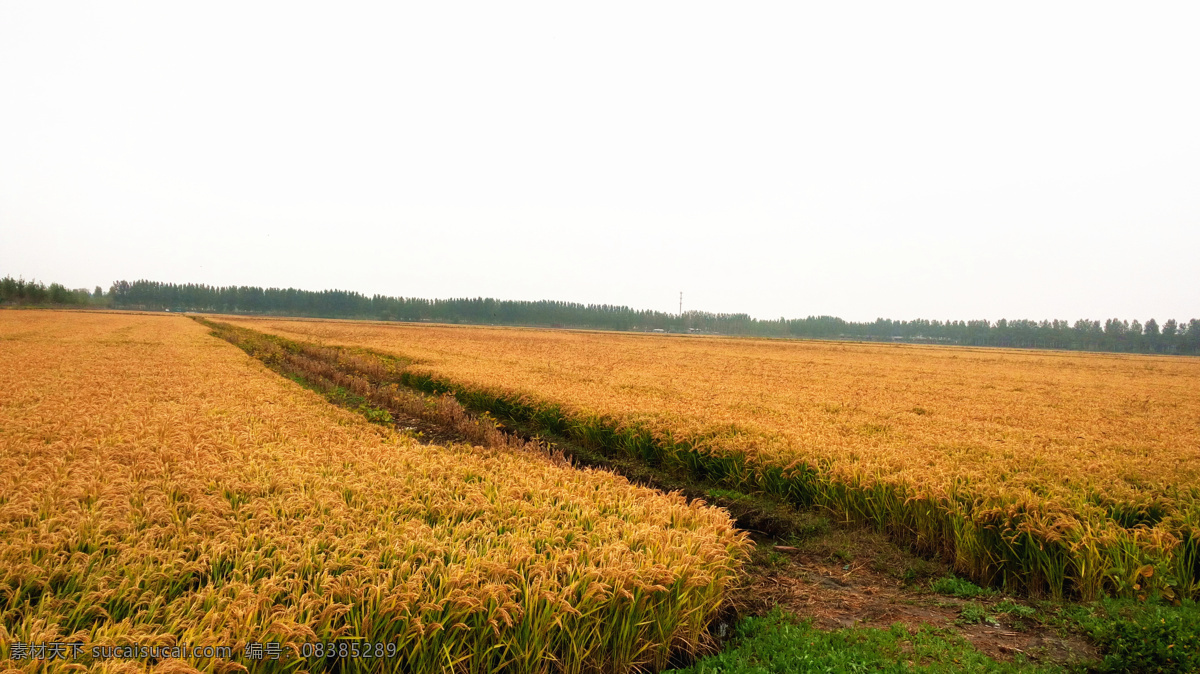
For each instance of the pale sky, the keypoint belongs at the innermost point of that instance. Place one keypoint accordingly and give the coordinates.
(936, 160)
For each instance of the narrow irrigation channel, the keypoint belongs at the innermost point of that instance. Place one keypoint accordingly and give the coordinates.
(382, 388)
(839, 576)
(369, 384)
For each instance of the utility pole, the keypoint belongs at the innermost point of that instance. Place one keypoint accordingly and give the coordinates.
(681, 304)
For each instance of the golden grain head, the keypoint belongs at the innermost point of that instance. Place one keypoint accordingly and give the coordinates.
(159, 486)
(1080, 451)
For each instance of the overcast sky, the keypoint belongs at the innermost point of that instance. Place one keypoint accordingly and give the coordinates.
(951, 161)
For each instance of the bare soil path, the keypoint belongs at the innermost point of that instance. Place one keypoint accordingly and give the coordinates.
(854, 577)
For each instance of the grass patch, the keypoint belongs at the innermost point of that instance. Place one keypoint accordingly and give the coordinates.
(810, 526)
(767, 559)
(719, 495)
(974, 613)
(958, 587)
(778, 643)
(1141, 637)
(1012, 608)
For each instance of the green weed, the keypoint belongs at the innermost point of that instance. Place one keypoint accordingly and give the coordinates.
(1142, 637)
(778, 644)
(958, 587)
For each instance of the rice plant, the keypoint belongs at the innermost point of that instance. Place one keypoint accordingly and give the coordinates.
(158, 487)
(1054, 473)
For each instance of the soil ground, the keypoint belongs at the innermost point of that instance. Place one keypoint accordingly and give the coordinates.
(851, 576)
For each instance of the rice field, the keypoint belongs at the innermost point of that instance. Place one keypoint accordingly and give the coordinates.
(160, 488)
(1062, 473)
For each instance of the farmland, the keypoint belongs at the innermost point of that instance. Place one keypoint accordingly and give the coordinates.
(160, 487)
(1047, 472)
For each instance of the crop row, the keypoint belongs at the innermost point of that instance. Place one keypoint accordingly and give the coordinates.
(158, 487)
(1009, 496)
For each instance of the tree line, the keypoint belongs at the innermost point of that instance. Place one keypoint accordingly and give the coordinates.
(20, 291)
(1111, 335)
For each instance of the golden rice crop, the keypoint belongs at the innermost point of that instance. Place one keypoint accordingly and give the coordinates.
(1060, 472)
(158, 487)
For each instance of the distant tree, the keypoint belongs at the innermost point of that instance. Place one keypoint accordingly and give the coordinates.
(8, 289)
(34, 292)
(119, 292)
(1152, 337)
(1085, 334)
(1114, 334)
(1191, 339)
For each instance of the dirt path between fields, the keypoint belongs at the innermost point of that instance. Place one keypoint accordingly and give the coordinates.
(854, 577)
